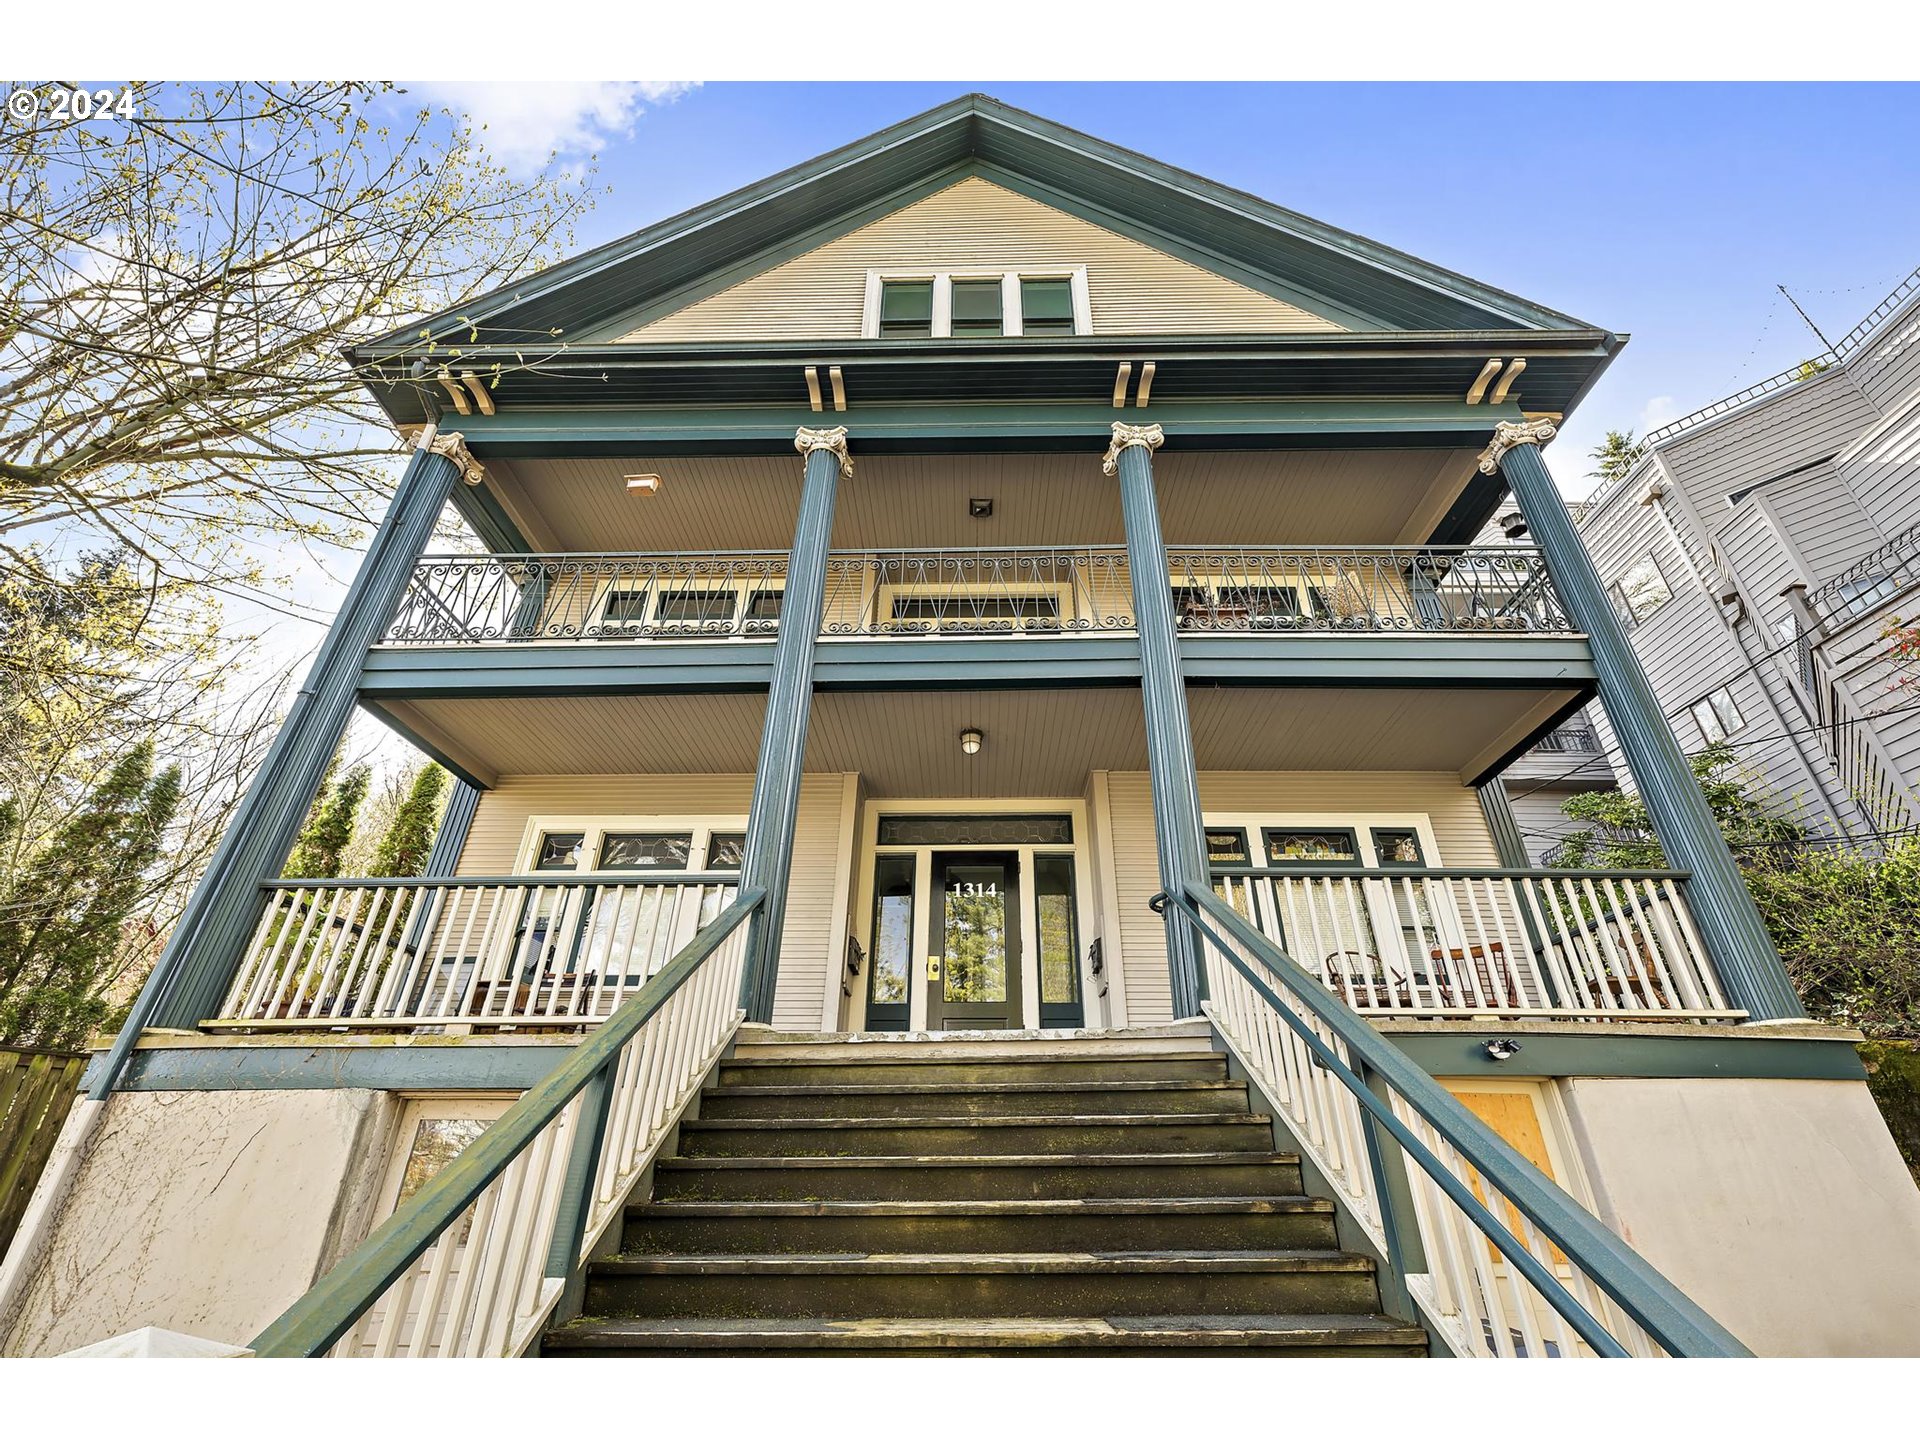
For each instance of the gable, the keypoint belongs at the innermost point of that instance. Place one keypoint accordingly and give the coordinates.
(974, 224)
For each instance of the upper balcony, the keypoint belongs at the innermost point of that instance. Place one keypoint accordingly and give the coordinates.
(1029, 594)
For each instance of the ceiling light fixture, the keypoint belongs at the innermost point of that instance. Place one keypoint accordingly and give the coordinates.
(970, 740)
(643, 484)
(980, 507)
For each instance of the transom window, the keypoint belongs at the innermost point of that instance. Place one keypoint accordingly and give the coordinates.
(1288, 846)
(1640, 590)
(626, 844)
(642, 851)
(1227, 847)
(945, 305)
(1717, 715)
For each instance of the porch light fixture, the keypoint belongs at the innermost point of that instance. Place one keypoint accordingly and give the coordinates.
(643, 484)
(1500, 1049)
(970, 741)
(980, 507)
(1512, 524)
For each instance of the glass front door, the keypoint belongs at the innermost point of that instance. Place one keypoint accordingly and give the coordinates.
(973, 965)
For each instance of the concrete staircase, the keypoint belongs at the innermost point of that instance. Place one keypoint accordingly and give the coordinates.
(1100, 1195)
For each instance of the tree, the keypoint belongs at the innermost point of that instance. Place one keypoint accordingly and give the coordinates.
(324, 839)
(1618, 835)
(1615, 456)
(408, 840)
(175, 290)
(63, 918)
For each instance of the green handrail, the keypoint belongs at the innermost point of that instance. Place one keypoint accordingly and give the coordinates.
(314, 1323)
(1651, 1300)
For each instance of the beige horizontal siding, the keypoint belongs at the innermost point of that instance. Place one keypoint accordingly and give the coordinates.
(1134, 289)
(806, 942)
(1459, 828)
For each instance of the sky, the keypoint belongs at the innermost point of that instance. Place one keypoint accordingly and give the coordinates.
(1670, 212)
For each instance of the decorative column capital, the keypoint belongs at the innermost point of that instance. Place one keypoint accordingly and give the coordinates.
(1126, 436)
(1509, 433)
(807, 440)
(453, 445)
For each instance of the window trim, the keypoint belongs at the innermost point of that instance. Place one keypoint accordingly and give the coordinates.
(1011, 326)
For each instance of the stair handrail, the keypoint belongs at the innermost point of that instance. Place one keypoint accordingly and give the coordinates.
(1650, 1300)
(315, 1322)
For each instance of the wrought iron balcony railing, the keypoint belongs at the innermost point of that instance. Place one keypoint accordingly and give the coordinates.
(1570, 740)
(1033, 591)
(1578, 944)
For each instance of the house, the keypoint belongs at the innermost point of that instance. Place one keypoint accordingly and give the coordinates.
(1757, 553)
(980, 727)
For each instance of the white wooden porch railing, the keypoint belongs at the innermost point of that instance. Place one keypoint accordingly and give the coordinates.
(475, 1263)
(1588, 944)
(514, 950)
(1499, 1261)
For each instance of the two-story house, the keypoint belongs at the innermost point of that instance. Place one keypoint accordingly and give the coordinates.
(979, 724)
(1757, 554)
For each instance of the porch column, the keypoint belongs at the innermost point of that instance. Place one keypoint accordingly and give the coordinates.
(768, 858)
(1178, 834)
(1722, 908)
(197, 965)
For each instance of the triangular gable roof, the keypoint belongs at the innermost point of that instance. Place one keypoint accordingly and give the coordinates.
(1356, 283)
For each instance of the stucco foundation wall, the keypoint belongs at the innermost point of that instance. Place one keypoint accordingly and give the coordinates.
(1459, 825)
(815, 932)
(1780, 1205)
(204, 1212)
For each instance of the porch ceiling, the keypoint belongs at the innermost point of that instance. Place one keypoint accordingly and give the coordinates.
(1038, 742)
(1297, 497)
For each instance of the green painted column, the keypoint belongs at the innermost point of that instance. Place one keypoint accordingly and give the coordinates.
(1179, 837)
(1505, 825)
(768, 858)
(197, 965)
(455, 821)
(1750, 969)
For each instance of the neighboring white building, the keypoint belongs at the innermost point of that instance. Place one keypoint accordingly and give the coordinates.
(1758, 551)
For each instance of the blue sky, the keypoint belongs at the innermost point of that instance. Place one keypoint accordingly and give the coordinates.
(1668, 211)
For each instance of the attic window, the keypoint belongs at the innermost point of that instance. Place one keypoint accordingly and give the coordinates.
(1046, 307)
(945, 305)
(976, 307)
(906, 309)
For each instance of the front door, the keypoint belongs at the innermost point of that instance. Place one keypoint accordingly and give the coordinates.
(973, 955)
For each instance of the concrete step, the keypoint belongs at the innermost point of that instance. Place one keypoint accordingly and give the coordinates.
(1186, 1037)
(887, 1066)
(979, 1135)
(1320, 1336)
(946, 1227)
(853, 1287)
(1035, 1097)
(975, 1177)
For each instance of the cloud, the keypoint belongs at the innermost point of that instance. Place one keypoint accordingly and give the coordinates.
(527, 122)
(1657, 412)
